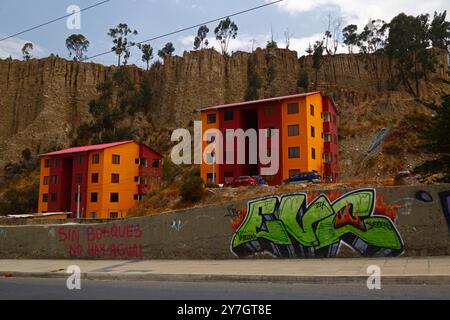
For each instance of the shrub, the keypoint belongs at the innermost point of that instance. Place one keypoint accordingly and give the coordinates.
(392, 148)
(302, 80)
(191, 188)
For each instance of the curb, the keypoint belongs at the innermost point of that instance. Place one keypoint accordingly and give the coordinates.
(419, 279)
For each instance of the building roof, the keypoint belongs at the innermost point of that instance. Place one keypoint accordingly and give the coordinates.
(259, 101)
(86, 148)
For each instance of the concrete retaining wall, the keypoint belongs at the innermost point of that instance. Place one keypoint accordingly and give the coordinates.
(207, 233)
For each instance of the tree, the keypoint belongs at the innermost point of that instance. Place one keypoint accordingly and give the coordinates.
(435, 138)
(350, 36)
(436, 135)
(309, 50)
(407, 43)
(121, 37)
(26, 51)
(255, 83)
(272, 44)
(225, 31)
(77, 44)
(373, 38)
(440, 31)
(302, 80)
(331, 37)
(200, 40)
(147, 53)
(317, 59)
(167, 51)
(287, 38)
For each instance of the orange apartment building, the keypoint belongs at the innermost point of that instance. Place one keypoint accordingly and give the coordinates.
(98, 181)
(305, 122)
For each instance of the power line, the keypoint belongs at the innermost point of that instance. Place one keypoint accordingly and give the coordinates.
(54, 20)
(188, 28)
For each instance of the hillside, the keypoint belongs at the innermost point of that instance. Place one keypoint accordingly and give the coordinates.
(43, 102)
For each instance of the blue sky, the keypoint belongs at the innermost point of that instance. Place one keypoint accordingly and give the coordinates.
(305, 20)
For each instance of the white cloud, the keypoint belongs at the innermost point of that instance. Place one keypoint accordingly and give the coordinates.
(360, 11)
(13, 47)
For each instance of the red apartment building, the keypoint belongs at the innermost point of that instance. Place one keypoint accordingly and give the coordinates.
(308, 125)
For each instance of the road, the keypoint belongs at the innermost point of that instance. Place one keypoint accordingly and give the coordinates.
(30, 288)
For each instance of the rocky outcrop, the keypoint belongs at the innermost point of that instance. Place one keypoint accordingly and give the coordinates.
(43, 101)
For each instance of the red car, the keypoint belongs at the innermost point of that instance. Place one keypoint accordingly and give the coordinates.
(241, 181)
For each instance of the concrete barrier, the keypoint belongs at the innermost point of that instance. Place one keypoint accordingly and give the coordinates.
(386, 221)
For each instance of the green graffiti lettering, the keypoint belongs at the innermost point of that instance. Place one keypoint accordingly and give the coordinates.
(295, 228)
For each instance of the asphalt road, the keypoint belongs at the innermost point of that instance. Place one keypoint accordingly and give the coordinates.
(27, 288)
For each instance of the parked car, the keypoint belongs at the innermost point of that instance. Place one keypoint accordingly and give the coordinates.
(304, 177)
(241, 181)
(260, 180)
(404, 173)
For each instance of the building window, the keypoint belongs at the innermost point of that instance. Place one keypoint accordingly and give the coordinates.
(143, 180)
(293, 172)
(114, 215)
(155, 163)
(326, 117)
(96, 158)
(334, 119)
(115, 159)
(313, 131)
(144, 162)
(94, 178)
(327, 137)
(47, 163)
(45, 197)
(136, 161)
(55, 180)
(46, 180)
(136, 197)
(211, 118)
(136, 179)
(294, 152)
(56, 163)
(313, 153)
(54, 197)
(94, 197)
(335, 139)
(114, 197)
(292, 108)
(79, 178)
(94, 215)
(80, 159)
(311, 109)
(326, 157)
(229, 115)
(115, 178)
(293, 130)
(269, 111)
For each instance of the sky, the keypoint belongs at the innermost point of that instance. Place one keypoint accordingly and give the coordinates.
(304, 20)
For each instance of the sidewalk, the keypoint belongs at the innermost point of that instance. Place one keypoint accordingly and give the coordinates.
(434, 270)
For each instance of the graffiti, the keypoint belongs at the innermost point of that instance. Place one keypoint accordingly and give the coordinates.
(295, 225)
(176, 225)
(445, 203)
(424, 196)
(105, 241)
(237, 216)
(378, 140)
